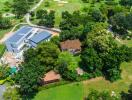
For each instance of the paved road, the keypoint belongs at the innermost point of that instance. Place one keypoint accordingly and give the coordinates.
(27, 16)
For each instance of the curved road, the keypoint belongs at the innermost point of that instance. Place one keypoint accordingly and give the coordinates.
(27, 16)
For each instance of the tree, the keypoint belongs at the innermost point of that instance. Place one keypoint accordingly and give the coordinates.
(103, 95)
(41, 14)
(91, 61)
(67, 66)
(5, 23)
(47, 53)
(55, 40)
(4, 72)
(37, 62)
(29, 77)
(119, 23)
(99, 38)
(126, 2)
(20, 7)
(127, 96)
(48, 19)
(97, 15)
(112, 62)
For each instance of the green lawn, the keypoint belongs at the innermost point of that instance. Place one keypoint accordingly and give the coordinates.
(65, 92)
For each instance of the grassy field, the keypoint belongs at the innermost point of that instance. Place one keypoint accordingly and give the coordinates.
(65, 92)
(71, 6)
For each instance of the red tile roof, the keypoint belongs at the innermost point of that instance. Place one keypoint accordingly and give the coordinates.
(51, 76)
(71, 44)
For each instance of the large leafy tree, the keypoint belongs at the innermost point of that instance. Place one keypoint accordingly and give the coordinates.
(98, 55)
(20, 7)
(126, 2)
(47, 53)
(38, 61)
(5, 23)
(97, 15)
(4, 72)
(29, 76)
(121, 23)
(67, 66)
(46, 19)
(91, 61)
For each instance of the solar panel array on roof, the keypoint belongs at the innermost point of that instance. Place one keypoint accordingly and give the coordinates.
(19, 34)
(40, 36)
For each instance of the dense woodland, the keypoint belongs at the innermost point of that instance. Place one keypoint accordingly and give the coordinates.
(96, 28)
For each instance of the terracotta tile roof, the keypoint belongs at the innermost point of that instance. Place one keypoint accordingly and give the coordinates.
(71, 44)
(51, 76)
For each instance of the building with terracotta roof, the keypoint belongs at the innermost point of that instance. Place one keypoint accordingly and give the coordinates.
(73, 46)
(51, 77)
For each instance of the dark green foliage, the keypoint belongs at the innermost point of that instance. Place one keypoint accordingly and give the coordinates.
(101, 55)
(5, 23)
(20, 7)
(97, 15)
(46, 19)
(121, 23)
(38, 61)
(126, 2)
(41, 14)
(29, 77)
(55, 40)
(104, 95)
(4, 72)
(91, 61)
(128, 95)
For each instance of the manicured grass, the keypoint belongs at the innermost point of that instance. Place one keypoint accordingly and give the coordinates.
(65, 92)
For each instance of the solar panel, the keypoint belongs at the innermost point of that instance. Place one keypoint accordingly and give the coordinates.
(20, 34)
(40, 36)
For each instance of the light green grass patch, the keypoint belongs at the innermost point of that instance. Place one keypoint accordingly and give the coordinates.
(65, 92)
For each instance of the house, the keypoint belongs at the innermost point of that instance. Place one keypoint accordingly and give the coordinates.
(73, 46)
(39, 37)
(51, 77)
(16, 43)
(26, 37)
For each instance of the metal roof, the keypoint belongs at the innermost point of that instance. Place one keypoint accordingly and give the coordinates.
(18, 35)
(40, 36)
